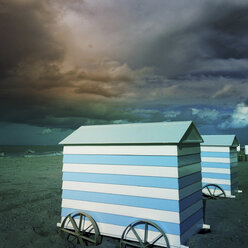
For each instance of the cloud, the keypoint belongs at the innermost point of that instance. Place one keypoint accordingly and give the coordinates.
(29, 36)
(206, 113)
(172, 113)
(238, 119)
(68, 63)
(227, 91)
(46, 131)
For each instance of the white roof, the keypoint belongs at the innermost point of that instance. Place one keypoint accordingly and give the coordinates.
(220, 140)
(138, 133)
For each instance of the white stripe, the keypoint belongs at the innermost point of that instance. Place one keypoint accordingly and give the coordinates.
(142, 213)
(170, 194)
(122, 150)
(189, 169)
(216, 181)
(186, 213)
(228, 193)
(192, 188)
(216, 170)
(116, 231)
(153, 171)
(187, 150)
(156, 171)
(215, 160)
(214, 149)
(132, 150)
(234, 159)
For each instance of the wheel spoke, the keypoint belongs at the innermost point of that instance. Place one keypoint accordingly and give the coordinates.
(214, 190)
(74, 228)
(146, 233)
(69, 231)
(143, 225)
(209, 191)
(81, 241)
(137, 236)
(156, 239)
(80, 223)
(74, 224)
(83, 224)
(91, 225)
(87, 238)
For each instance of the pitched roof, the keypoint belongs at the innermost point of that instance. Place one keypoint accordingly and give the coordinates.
(220, 140)
(138, 133)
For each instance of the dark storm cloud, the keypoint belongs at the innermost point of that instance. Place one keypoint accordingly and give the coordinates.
(26, 34)
(217, 32)
(96, 89)
(28, 51)
(229, 36)
(33, 87)
(69, 63)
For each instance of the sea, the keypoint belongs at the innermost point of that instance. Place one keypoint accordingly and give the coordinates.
(30, 151)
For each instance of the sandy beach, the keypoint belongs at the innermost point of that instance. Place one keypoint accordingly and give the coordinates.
(30, 196)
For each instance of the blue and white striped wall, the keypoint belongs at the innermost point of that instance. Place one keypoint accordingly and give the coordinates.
(118, 185)
(219, 166)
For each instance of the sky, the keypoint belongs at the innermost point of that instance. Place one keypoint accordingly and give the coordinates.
(68, 63)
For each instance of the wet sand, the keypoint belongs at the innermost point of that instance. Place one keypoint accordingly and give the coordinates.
(30, 203)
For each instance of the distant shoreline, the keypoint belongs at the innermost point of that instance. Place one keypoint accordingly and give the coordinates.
(30, 150)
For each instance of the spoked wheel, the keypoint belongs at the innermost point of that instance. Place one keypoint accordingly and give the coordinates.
(213, 191)
(80, 228)
(138, 232)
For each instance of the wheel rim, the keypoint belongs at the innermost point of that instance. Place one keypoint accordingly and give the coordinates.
(213, 191)
(80, 228)
(140, 231)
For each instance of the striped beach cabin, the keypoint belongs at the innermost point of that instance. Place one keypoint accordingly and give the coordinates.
(125, 172)
(219, 162)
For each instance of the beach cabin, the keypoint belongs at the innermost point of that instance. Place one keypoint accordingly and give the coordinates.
(128, 175)
(219, 162)
(246, 149)
(238, 148)
(246, 152)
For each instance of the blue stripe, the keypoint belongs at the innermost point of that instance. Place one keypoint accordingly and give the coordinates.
(216, 154)
(135, 201)
(122, 160)
(216, 175)
(223, 186)
(120, 220)
(190, 179)
(190, 200)
(189, 159)
(189, 222)
(145, 181)
(216, 165)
